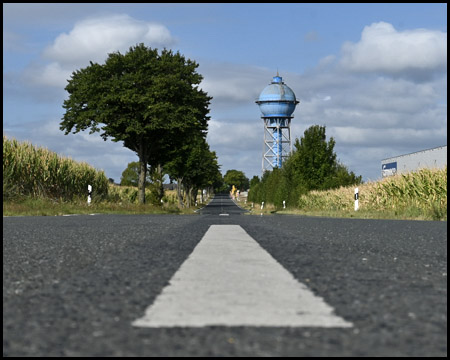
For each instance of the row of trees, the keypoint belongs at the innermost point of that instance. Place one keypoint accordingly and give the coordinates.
(151, 102)
(313, 165)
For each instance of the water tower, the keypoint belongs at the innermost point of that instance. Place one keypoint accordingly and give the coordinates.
(277, 103)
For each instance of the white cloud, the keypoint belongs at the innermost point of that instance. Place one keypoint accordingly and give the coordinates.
(235, 83)
(383, 49)
(234, 136)
(93, 38)
(353, 135)
(327, 60)
(51, 75)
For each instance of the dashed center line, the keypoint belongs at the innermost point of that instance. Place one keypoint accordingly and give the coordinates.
(230, 280)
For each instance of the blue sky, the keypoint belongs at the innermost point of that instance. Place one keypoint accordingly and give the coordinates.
(374, 74)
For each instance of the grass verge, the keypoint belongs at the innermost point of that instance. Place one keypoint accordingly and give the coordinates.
(406, 213)
(29, 206)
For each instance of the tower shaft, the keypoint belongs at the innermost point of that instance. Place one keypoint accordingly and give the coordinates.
(277, 142)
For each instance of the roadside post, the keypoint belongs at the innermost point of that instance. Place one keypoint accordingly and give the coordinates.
(89, 194)
(356, 199)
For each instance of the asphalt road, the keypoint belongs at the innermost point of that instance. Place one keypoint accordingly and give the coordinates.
(73, 286)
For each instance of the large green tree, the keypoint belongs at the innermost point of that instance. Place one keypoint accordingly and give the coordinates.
(150, 100)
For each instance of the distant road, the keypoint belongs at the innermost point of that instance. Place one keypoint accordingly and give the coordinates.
(222, 283)
(222, 205)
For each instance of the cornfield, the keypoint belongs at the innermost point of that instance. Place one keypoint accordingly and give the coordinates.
(129, 194)
(125, 194)
(424, 190)
(35, 171)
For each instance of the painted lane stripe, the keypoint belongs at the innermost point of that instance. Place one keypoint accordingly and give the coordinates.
(230, 280)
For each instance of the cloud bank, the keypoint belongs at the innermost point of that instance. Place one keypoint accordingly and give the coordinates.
(93, 39)
(382, 49)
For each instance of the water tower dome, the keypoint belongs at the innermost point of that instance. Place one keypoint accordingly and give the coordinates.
(277, 99)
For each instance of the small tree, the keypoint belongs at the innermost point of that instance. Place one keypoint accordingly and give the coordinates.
(130, 176)
(236, 178)
(315, 158)
(254, 181)
(314, 166)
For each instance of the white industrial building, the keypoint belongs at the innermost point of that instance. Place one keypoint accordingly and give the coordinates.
(430, 158)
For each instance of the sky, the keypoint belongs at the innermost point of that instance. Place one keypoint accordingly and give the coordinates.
(375, 75)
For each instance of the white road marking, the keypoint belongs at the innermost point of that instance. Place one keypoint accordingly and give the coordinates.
(230, 280)
(78, 214)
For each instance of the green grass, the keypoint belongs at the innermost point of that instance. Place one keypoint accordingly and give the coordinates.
(406, 214)
(29, 206)
(411, 214)
(120, 200)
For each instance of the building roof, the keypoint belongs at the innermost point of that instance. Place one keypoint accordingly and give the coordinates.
(416, 152)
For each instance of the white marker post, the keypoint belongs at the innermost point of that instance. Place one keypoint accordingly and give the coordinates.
(262, 205)
(284, 204)
(356, 199)
(89, 194)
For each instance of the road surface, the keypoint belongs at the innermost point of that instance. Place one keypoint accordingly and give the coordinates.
(222, 283)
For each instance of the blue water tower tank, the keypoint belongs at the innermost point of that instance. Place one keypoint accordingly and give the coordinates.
(277, 99)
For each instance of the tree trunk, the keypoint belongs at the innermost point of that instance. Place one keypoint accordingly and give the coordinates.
(194, 195)
(160, 184)
(180, 196)
(142, 174)
(188, 196)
